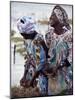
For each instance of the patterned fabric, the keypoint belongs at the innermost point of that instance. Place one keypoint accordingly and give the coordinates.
(39, 54)
(58, 53)
(61, 51)
(38, 37)
(51, 42)
(61, 15)
(43, 84)
(51, 39)
(30, 73)
(26, 25)
(69, 39)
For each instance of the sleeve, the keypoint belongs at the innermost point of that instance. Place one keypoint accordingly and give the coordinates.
(61, 52)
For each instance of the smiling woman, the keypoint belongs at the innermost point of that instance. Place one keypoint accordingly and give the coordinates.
(41, 49)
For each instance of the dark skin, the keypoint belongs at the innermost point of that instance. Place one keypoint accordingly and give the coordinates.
(58, 29)
(54, 22)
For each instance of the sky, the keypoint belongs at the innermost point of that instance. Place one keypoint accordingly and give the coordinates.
(37, 11)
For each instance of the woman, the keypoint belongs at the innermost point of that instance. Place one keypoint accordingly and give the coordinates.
(58, 62)
(40, 58)
(59, 22)
(28, 29)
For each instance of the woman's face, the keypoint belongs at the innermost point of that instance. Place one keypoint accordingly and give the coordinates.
(53, 20)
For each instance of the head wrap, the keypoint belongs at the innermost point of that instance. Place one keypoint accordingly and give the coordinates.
(61, 15)
(26, 25)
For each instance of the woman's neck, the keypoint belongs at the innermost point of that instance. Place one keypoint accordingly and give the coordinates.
(58, 29)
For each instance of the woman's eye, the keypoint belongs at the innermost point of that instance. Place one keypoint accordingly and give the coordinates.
(22, 21)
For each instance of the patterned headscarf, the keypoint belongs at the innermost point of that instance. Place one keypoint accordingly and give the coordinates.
(61, 15)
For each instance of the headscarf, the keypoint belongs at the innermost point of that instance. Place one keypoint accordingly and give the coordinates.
(26, 25)
(61, 15)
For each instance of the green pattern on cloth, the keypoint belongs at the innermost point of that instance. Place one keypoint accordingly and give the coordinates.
(60, 49)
